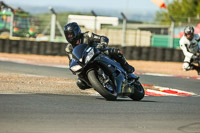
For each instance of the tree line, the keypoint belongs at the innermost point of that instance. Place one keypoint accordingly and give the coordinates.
(182, 11)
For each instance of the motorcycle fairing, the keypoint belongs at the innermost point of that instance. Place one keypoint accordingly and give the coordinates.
(74, 62)
(118, 73)
(115, 69)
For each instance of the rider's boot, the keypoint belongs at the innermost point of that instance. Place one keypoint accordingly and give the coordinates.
(122, 60)
(118, 56)
(197, 68)
(198, 71)
(128, 68)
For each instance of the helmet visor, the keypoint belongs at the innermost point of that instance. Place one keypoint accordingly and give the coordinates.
(69, 36)
(190, 36)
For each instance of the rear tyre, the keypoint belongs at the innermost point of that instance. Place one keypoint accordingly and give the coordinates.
(138, 92)
(93, 77)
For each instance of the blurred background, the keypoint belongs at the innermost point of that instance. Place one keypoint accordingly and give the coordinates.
(155, 23)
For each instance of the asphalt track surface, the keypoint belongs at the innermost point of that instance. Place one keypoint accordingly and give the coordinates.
(42, 113)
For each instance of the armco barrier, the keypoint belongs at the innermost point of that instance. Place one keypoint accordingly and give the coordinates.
(55, 48)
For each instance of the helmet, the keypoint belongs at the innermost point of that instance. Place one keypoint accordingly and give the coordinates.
(72, 32)
(189, 32)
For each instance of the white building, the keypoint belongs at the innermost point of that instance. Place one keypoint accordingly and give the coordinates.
(89, 22)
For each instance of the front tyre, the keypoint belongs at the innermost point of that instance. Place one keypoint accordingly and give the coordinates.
(138, 92)
(95, 81)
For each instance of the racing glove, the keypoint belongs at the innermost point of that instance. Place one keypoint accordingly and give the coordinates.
(101, 46)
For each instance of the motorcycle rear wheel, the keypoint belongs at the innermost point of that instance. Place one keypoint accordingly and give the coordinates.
(138, 92)
(96, 84)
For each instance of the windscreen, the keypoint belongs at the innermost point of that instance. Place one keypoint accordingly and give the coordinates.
(78, 50)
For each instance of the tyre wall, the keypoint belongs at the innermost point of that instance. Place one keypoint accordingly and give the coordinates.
(56, 48)
(32, 47)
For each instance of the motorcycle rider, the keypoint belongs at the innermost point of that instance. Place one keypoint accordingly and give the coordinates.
(74, 36)
(190, 47)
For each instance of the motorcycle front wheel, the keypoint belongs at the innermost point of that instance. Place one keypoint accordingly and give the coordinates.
(95, 81)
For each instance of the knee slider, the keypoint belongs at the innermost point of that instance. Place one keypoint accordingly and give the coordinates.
(186, 66)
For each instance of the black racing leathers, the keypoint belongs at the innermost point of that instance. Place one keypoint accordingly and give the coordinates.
(88, 38)
(102, 41)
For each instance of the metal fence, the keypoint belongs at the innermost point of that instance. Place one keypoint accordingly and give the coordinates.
(133, 37)
(42, 25)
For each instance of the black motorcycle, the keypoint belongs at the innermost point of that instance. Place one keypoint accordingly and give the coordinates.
(104, 74)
